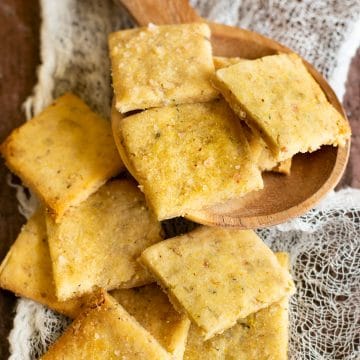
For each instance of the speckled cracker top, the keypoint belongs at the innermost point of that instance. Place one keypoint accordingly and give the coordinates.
(106, 331)
(278, 97)
(64, 154)
(188, 156)
(97, 243)
(218, 275)
(262, 335)
(161, 65)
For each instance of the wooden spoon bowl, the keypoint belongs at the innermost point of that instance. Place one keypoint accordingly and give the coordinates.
(312, 175)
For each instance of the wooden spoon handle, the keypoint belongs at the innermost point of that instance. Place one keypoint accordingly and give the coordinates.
(160, 12)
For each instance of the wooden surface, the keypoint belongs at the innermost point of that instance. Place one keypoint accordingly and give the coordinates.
(19, 26)
(283, 197)
(19, 34)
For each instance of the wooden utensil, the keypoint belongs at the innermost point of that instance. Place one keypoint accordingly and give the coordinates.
(312, 175)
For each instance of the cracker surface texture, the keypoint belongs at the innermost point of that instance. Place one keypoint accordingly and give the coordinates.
(161, 65)
(97, 243)
(260, 336)
(63, 154)
(218, 276)
(278, 98)
(26, 269)
(150, 306)
(188, 156)
(106, 331)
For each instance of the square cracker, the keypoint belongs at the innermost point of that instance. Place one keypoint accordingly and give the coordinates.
(188, 156)
(278, 98)
(264, 157)
(262, 335)
(161, 65)
(218, 276)
(64, 154)
(97, 243)
(106, 331)
(150, 306)
(26, 269)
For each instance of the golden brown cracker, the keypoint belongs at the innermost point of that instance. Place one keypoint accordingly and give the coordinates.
(188, 156)
(278, 98)
(64, 154)
(97, 243)
(161, 65)
(218, 275)
(106, 331)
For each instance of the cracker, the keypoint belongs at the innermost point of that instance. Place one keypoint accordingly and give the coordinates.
(151, 308)
(262, 335)
(218, 276)
(188, 156)
(278, 98)
(262, 155)
(26, 269)
(106, 331)
(64, 154)
(97, 243)
(161, 65)
(221, 62)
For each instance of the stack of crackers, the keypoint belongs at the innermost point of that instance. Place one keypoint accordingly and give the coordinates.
(196, 131)
(191, 137)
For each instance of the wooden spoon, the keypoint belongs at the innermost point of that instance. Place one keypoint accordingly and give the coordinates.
(312, 175)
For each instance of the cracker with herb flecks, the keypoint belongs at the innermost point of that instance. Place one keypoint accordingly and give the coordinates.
(188, 156)
(97, 243)
(64, 154)
(26, 269)
(218, 276)
(106, 331)
(265, 159)
(262, 335)
(150, 306)
(279, 99)
(161, 65)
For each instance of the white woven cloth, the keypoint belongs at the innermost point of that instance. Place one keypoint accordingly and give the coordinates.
(324, 245)
(324, 32)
